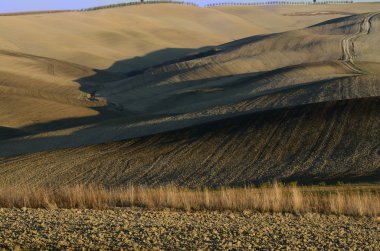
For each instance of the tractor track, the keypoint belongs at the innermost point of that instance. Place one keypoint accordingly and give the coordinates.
(348, 44)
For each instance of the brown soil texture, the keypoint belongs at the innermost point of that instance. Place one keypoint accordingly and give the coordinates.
(308, 144)
(137, 229)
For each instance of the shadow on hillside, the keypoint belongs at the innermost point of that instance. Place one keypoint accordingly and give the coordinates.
(127, 68)
(7, 132)
(110, 126)
(154, 59)
(336, 20)
(137, 65)
(119, 70)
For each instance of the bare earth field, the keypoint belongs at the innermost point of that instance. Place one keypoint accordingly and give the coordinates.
(168, 218)
(165, 113)
(271, 106)
(135, 229)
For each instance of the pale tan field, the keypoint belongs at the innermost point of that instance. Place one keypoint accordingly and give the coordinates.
(98, 39)
(301, 91)
(289, 17)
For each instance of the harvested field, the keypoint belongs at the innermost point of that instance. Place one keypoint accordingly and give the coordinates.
(347, 200)
(136, 229)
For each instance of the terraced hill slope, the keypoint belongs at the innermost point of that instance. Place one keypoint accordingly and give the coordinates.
(299, 105)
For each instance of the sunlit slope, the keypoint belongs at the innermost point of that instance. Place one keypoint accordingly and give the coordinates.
(151, 34)
(289, 17)
(97, 39)
(38, 90)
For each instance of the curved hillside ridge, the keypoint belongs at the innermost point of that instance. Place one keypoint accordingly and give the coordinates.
(365, 45)
(39, 74)
(306, 143)
(192, 96)
(39, 90)
(121, 128)
(297, 105)
(257, 74)
(292, 44)
(100, 38)
(319, 43)
(277, 19)
(286, 60)
(42, 65)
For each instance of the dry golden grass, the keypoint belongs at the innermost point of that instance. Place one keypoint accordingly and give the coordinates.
(348, 200)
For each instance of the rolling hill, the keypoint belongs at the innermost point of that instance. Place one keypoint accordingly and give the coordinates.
(300, 104)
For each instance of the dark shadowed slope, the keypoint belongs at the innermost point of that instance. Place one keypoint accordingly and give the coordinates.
(328, 141)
